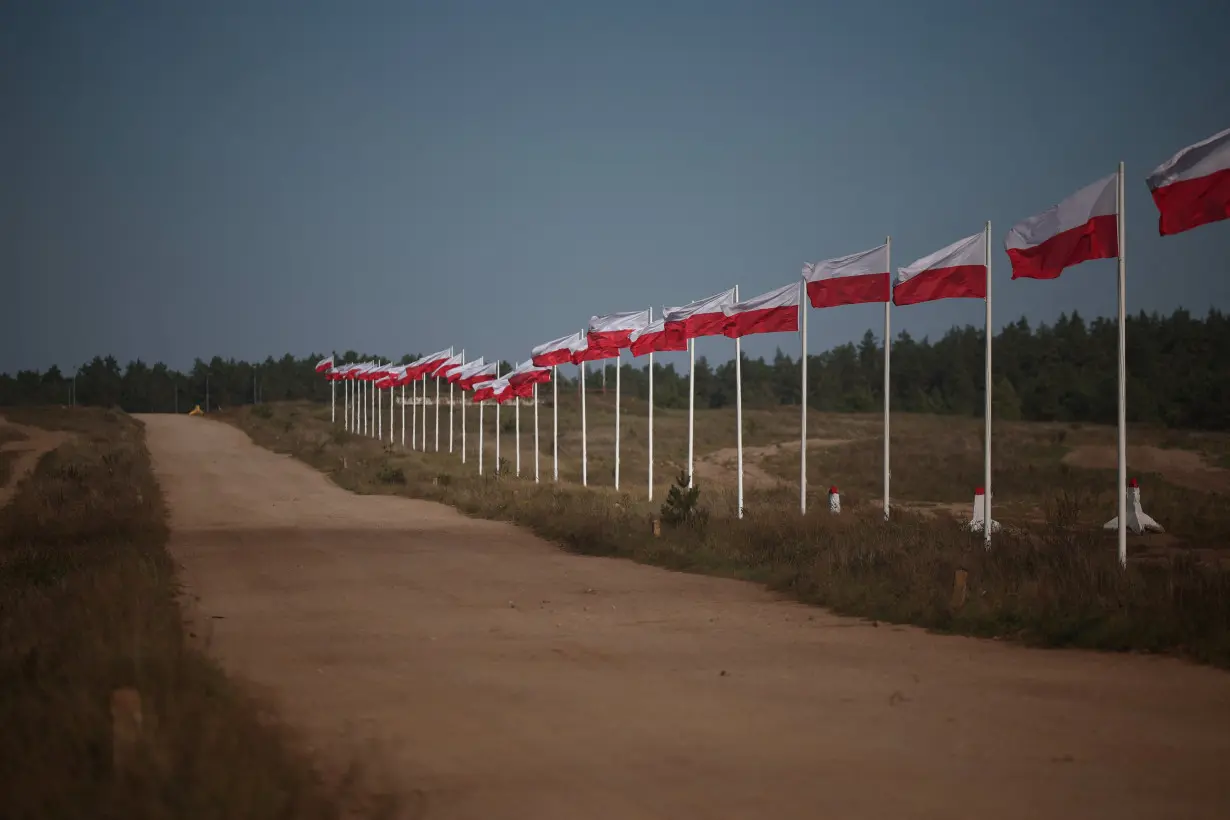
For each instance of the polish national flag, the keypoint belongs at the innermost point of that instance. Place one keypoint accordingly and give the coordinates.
(955, 272)
(613, 331)
(529, 373)
(428, 364)
(1084, 226)
(559, 351)
(653, 338)
(506, 392)
(324, 364)
(448, 365)
(465, 370)
(774, 312)
(386, 382)
(704, 317)
(1192, 188)
(496, 389)
(483, 374)
(849, 280)
(360, 371)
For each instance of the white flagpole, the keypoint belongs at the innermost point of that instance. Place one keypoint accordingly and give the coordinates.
(392, 401)
(345, 405)
(888, 346)
(414, 414)
(463, 426)
(450, 407)
(651, 416)
(803, 387)
(497, 427)
(617, 369)
(986, 465)
(517, 436)
(360, 396)
(423, 438)
(584, 434)
(480, 437)
(535, 432)
(366, 415)
(555, 420)
(1122, 374)
(691, 404)
(333, 401)
(739, 409)
(378, 399)
(437, 449)
(403, 417)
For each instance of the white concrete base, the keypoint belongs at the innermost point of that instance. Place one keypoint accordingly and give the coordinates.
(1137, 522)
(834, 501)
(978, 521)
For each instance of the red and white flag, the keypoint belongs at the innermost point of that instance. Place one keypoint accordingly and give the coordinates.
(704, 317)
(385, 382)
(1192, 188)
(1084, 226)
(467, 369)
(613, 331)
(488, 390)
(653, 338)
(447, 366)
(849, 280)
(955, 272)
(324, 364)
(484, 374)
(774, 312)
(528, 373)
(559, 351)
(428, 364)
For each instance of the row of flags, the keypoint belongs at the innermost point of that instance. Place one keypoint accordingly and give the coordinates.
(1190, 189)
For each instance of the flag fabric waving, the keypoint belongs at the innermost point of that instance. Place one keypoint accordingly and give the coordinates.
(324, 364)
(612, 332)
(443, 368)
(528, 373)
(704, 317)
(1192, 188)
(774, 312)
(849, 280)
(559, 351)
(653, 338)
(483, 374)
(955, 272)
(1082, 227)
(467, 369)
(428, 364)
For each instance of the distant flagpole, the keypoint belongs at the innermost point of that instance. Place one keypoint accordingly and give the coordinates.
(332, 400)
(584, 434)
(1122, 489)
(803, 388)
(437, 447)
(463, 426)
(555, 420)
(651, 415)
(739, 408)
(414, 414)
(517, 436)
(481, 432)
(392, 401)
(497, 425)
(423, 438)
(535, 432)
(888, 346)
(986, 464)
(345, 405)
(617, 369)
(691, 405)
(403, 417)
(450, 407)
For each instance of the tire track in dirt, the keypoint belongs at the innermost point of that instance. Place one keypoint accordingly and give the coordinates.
(502, 677)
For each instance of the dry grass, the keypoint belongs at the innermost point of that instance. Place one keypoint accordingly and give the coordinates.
(1053, 581)
(87, 605)
(6, 466)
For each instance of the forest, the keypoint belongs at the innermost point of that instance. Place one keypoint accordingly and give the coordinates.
(1178, 376)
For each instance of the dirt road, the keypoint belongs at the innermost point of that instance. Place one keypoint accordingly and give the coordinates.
(507, 679)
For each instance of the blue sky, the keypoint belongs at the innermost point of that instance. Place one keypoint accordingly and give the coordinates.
(251, 178)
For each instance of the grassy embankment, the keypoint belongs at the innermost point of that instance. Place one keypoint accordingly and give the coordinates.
(88, 606)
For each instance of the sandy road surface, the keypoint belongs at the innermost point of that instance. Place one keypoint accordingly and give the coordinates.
(507, 679)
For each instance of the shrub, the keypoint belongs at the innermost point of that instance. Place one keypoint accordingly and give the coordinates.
(388, 474)
(682, 504)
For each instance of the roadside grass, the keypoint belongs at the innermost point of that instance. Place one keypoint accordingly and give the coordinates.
(1053, 581)
(88, 605)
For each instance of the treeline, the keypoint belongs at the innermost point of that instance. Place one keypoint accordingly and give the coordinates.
(1178, 375)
